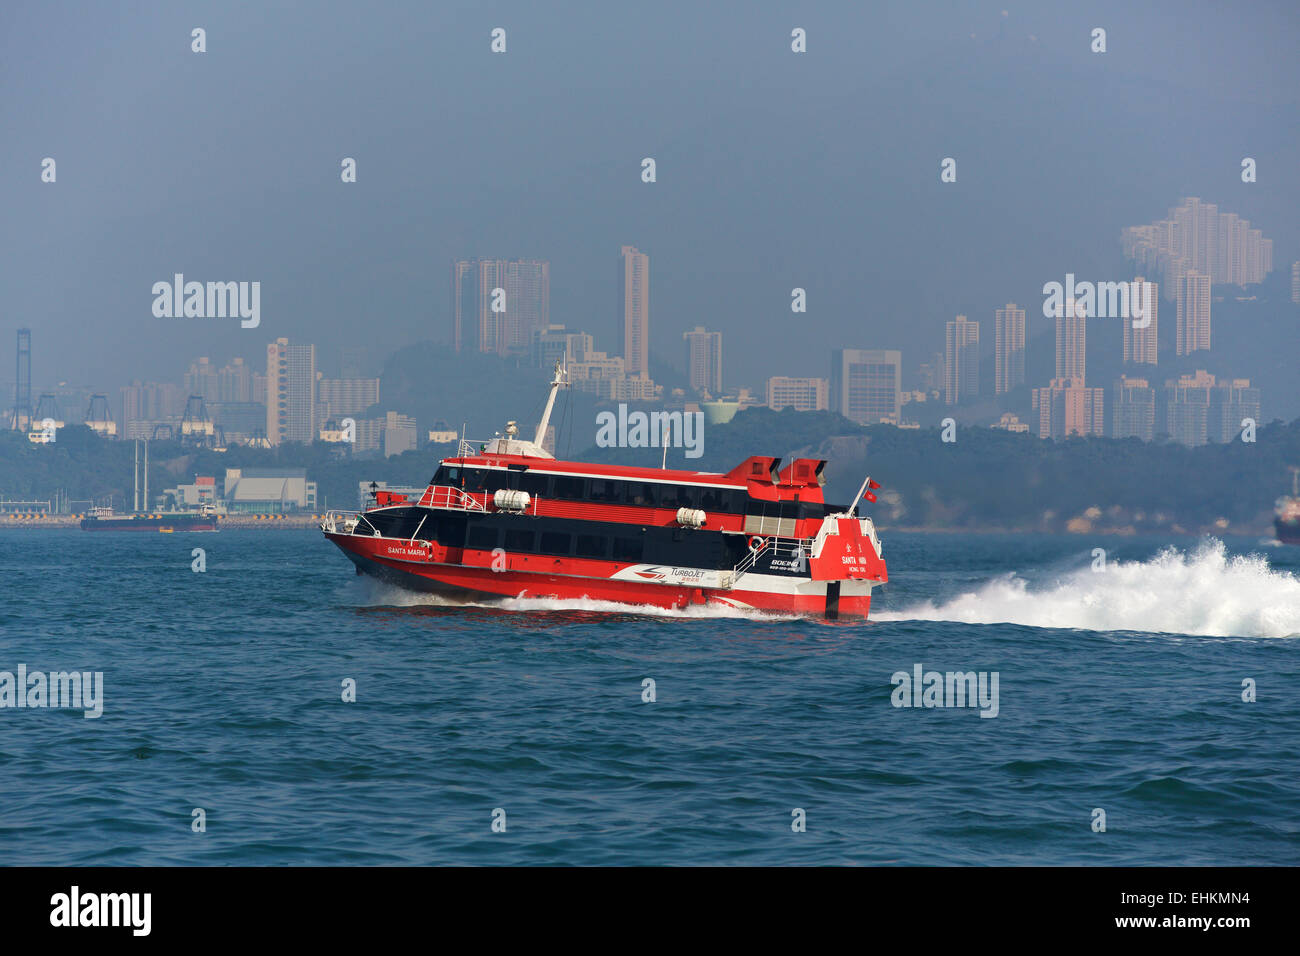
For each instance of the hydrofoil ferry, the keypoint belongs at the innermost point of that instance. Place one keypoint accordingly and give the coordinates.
(508, 520)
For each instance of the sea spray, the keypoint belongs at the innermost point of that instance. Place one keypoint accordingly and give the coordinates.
(1203, 594)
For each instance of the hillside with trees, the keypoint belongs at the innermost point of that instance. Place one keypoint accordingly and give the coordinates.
(986, 479)
(989, 478)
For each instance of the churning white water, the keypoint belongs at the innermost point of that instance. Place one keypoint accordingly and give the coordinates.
(1205, 593)
(381, 594)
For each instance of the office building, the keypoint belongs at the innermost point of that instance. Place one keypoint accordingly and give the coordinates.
(339, 398)
(291, 392)
(1193, 317)
(555, 343)
(497, 304)
(1009, 340)
(1067, 407)
(866, 384)
(1140, 342)
(961, 367)
(801, 394)
(1133, 409)
(400, 434)
(1071, 341)
(704, 360)
(143, 406)
(634, 317)
(1233, 404)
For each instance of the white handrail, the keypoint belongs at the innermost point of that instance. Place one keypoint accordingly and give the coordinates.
(448, 496)
(777, 545)
(350, 520)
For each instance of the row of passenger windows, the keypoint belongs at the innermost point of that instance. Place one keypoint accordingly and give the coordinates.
(486, 537)
(610, 491)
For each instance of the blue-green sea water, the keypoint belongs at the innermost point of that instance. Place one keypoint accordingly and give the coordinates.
(1119, 689)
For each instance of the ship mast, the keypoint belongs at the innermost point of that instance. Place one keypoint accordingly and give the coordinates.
(561, 378)
(853, 508)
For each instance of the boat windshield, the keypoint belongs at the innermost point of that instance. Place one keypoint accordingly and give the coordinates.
(446, 476)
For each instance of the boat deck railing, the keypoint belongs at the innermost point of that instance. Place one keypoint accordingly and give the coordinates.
(446, 496)
(472, 448)
(774, 545)
(347, 522)
(439, 496)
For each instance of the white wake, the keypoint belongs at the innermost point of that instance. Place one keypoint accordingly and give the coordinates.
(382, 594)
(1205, 593)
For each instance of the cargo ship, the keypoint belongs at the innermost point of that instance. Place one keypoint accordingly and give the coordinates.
(104, 519)
(1286, 513)
(506, 519)
(165, 522)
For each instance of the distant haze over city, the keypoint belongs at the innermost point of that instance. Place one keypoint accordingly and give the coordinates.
(774, 170)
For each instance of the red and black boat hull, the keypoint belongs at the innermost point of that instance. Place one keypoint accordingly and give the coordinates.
(414, 567)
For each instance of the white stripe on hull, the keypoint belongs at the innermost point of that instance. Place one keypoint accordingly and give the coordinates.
(750, 581)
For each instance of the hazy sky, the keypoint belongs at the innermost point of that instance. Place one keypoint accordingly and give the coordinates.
(775, 169)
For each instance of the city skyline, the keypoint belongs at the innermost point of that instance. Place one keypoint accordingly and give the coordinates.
(337, 260)
(1067, 404)
(521, 288)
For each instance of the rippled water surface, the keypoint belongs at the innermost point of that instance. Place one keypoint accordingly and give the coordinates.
(1118, 690)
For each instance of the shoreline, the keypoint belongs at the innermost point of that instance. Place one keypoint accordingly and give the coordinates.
(258, 521)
